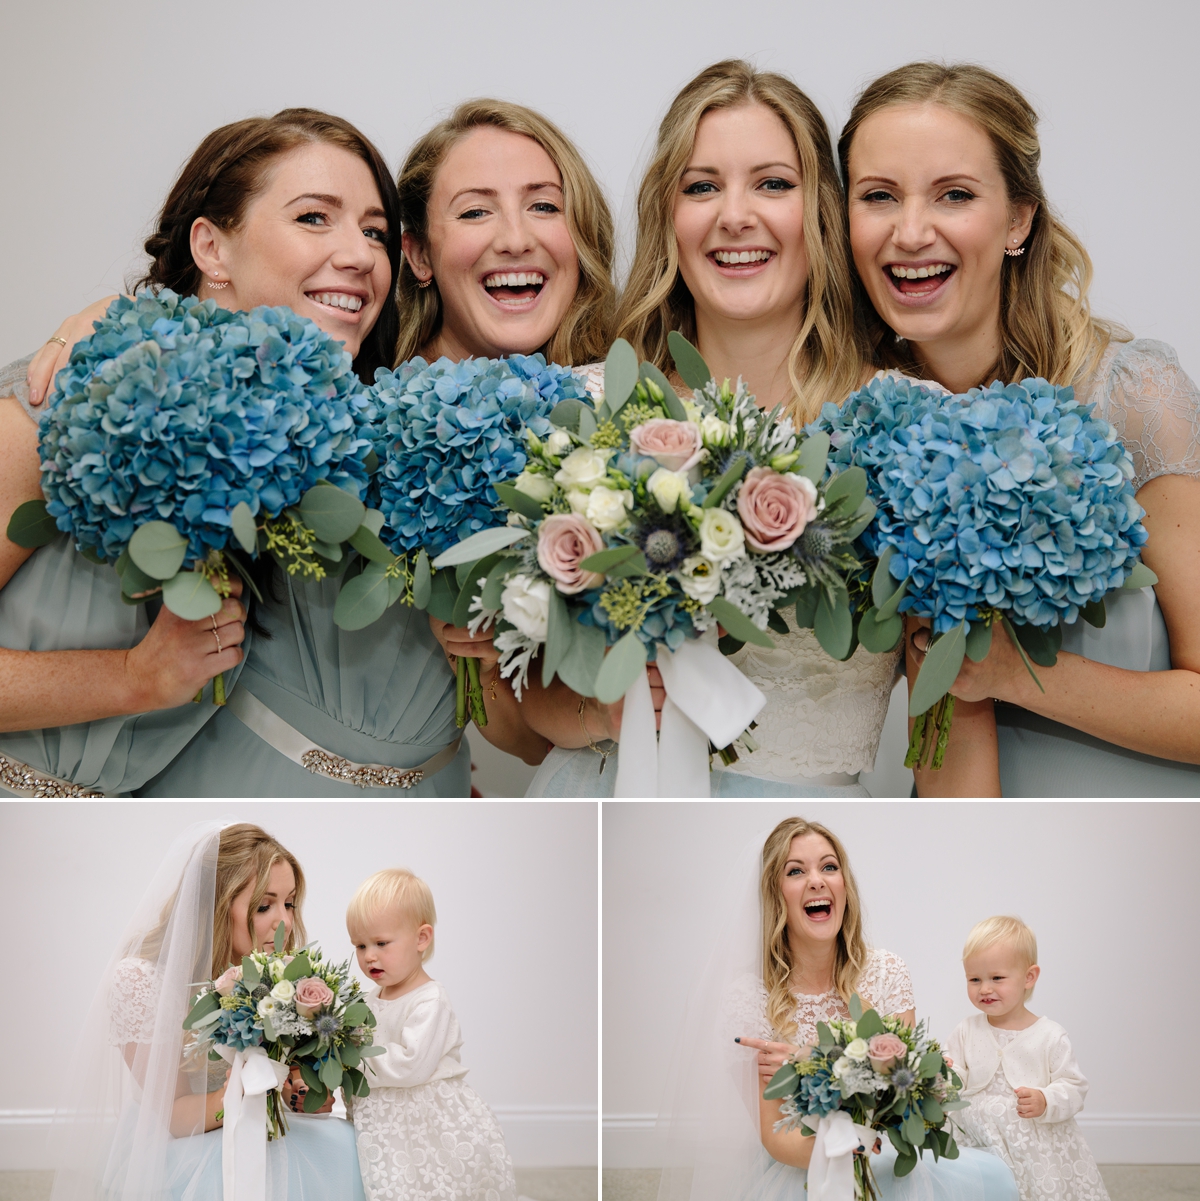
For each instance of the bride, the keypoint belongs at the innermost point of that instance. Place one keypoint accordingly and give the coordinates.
(792, 955)
(144, 1119)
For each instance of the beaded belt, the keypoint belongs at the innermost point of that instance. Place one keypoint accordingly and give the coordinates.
(22, 780)
(287, 740)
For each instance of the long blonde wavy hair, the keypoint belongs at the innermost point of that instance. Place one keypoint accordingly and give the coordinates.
(586, 329)
(826, 359)
(778, 959)
(1046, 323)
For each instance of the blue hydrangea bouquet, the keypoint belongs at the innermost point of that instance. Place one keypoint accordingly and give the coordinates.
(302, 1011)
(182, 436)
(449, 435)
(649, 519)
(884, 1076)
(1007, 505)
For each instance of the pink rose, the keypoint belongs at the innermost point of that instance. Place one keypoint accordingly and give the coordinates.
(884, 1049)
(676, 445)
(564, 541)
(775, 508)
(312, 994)
(228, 978)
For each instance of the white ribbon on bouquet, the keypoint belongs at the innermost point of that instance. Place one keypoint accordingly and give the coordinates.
(708, 699)
(831, 1169)
(244, 1137)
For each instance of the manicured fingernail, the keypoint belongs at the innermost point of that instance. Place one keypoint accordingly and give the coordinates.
(737, 1040)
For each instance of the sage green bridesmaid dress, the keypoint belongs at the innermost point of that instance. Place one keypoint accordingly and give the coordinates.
(1141, 389)
(58, 600)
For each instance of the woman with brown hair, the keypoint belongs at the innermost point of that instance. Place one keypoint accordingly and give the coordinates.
(792, 954)
(742, 247)
(965, 274)
(143, 1117)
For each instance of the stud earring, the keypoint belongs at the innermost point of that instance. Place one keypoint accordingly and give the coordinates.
(215, 285)
(1014, 254)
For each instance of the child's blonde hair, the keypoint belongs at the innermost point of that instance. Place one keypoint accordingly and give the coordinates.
(1010, 930)
(395, 890)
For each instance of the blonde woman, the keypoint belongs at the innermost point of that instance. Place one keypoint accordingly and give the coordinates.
(742, 246)
(793, 955)
(145, 1111)
(967, 275)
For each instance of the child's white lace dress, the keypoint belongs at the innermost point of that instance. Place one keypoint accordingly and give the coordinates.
(1050, 1160)
(424, 1134)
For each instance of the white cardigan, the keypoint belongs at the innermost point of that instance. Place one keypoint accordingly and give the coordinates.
(1039, 1057)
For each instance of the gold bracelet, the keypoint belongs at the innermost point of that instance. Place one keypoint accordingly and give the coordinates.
(604, 754)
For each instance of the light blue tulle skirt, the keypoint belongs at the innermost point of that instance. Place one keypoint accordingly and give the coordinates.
(973, 1176)
(317, 1158)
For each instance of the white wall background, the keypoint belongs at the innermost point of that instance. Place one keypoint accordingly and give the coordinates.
(1110, 889)
(515, 889)
(104, 102)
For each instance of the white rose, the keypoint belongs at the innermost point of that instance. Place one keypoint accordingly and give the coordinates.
(714, 431)
(284, 991)
(721, 537)
(540, 487)
(526, 604)
(700, 578)
(608, 508)
(577, 498)
(842, 1066)
(558, 443)
(667, 487)
(857, 1049)
(268, 1007)
(277, 968)
(582, 468)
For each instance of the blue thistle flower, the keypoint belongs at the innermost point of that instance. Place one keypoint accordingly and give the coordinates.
(449, 433)
(326, 1025)
(1012, 497)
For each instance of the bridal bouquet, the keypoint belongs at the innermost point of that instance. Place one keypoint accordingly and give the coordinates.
(867, 1074)
(1008, 505)
(183, 436)
(637, 525)
(300, 1011)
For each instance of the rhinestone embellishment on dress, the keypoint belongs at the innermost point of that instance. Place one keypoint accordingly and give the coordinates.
(364, 775)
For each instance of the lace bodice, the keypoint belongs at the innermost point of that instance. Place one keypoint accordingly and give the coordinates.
(1143, 391)
(885, 986)
(822, 717)
(132, 1002)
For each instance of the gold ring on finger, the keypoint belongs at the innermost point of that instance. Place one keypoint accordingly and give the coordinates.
(217, 636)
(61, 341)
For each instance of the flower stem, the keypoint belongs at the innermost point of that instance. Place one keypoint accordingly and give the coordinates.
(460, 693)
(219, 689)
(475, 694)
(930, 734)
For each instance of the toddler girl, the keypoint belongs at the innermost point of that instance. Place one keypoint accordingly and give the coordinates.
(1019, 1072)
(423, 1133)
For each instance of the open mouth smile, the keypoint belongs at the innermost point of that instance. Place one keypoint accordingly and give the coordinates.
(342, 303)
(514, 289)
(916, 282)
(736, 263)
(819, 909)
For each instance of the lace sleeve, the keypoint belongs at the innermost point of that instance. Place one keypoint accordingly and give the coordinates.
(593, 376)
(886, 983)
(1154, 406)
(744, 1010)
(132, 1002)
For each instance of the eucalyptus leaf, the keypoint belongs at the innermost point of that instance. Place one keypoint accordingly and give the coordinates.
(863, 517)
(913, 1128)
(478, 545)
(889, 607)
(31, 525)
(582, 662)
(777, 622)
(366, 541)
(856, 1009)
(559, 627)
(189, 595)
(493, 587)
(244, 528)
(847, 490)
(251, 972)
(880, 637)
(869, 1025)
(443, 593)
(331, 513)
(1012, 633)
(904, 1164)
(330, 551)
(728, 479)
(587, 424)
(519, 502)
(158, 549)
(634, 565)
(1140, 577)
(806, 606)
(931, 1063)
(939, 669)
(92, 555)
(814, 454)
(371, 463)
(206, 1004)
(689, 362)
(603, 560)
(897, 1139)
(280, 938)
(422, 580)
(620, 668)
(782, 1084)
(310, 1077)
(670, 401)
(566, 413)
(135, 582)
(350, 1056)
(737, 623)
(362, 600)
(373, 520)
(620, 374)
(882, 584)
(1042, 646)
(932, 1111)
(825, 1035)
(395, 589)
(356, 1013)
(979, 641)
(1094, 613)
(299, 966)
(358, 1082)
(833, 625)
(331, 1073)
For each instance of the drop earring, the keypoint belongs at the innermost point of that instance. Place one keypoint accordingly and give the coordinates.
(424, 283)
(1014, 254)
(217, 286)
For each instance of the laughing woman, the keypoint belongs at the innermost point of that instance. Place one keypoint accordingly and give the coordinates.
(966, 276)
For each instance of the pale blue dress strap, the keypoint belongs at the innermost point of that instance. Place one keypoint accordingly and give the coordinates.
(381, 695)
(1143, 391)
(58, 600)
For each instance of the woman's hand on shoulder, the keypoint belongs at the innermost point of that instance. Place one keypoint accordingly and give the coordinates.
(53, 356)
(177, 657)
